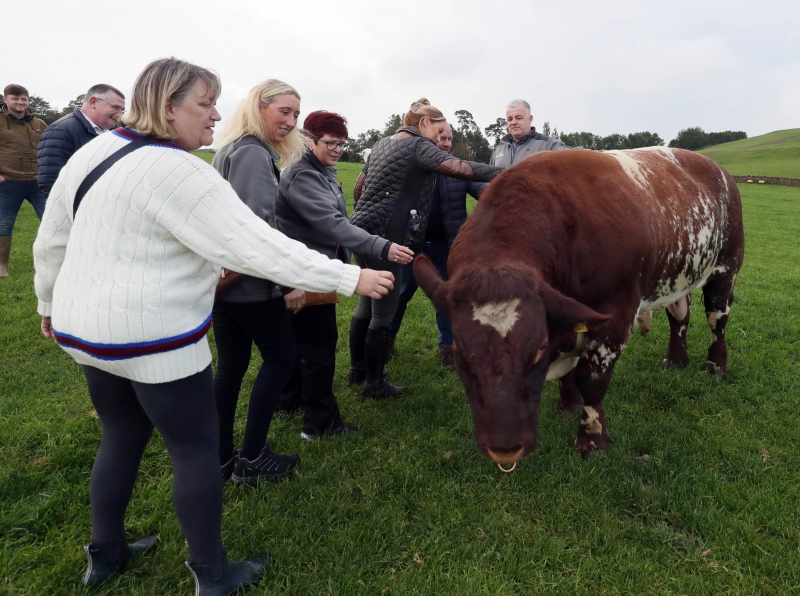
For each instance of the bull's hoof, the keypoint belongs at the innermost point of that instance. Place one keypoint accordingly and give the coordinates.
(588, 448)
(679, 364)
(716, 370)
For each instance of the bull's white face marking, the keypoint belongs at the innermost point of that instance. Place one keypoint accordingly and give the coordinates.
(592, 421)
(715, 316)
(631, 166)
(500, 316)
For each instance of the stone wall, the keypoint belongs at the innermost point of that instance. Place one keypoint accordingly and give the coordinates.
(768, 180)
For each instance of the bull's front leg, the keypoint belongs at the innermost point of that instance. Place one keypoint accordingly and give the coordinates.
(592, 377)
(570, 401)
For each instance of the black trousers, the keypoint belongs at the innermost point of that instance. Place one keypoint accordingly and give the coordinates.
(311, 382)
(184, 413)
(238, 325)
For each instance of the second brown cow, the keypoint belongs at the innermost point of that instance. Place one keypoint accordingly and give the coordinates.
(549, 273)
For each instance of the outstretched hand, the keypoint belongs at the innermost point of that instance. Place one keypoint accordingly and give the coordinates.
(47, 328)
(295, 300)
(374, 284)
(400, 254)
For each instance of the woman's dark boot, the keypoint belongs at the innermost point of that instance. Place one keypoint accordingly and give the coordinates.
(377, 387)
(221, 577)
(358, 336)
(100, 567)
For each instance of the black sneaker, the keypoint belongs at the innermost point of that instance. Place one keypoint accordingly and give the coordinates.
(267, 466)
(342, 429)
(227, 467)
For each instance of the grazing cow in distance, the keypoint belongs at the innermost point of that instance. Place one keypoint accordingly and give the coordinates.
(555, 265)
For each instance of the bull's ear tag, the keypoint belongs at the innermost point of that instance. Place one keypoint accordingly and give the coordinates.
(581, 328)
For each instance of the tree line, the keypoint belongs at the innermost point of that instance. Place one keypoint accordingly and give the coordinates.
(468, 140)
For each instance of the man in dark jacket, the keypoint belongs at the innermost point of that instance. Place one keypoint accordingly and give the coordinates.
(20, 132)
(98, 114)
(522, 139)
(448, 214)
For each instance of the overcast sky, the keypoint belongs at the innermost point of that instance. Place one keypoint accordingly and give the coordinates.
(615, 66)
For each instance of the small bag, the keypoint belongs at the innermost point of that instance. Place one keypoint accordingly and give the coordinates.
(315, 298)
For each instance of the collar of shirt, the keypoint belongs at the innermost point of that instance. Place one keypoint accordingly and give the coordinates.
(96, 128)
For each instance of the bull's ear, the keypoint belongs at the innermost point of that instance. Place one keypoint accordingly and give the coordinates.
(432, 284)
(567, 313)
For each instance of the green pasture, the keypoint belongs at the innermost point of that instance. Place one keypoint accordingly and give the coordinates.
(697, 494)
(773, 154)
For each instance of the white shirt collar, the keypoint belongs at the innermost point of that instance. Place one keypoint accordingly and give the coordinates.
(97, 129)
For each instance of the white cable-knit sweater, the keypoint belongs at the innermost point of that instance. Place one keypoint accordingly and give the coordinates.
(130, 283)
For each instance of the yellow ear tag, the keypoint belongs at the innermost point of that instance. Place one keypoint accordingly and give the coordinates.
(581, 328)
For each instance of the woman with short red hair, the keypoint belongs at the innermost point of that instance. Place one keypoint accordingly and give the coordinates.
(311, 209)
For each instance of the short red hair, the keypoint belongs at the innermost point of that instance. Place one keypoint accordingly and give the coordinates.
(322, 122)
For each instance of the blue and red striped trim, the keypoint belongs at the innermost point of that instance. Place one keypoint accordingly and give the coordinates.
(132, 135)
(134, 350)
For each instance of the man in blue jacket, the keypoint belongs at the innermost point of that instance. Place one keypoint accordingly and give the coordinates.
(98, 114)
(448, 214)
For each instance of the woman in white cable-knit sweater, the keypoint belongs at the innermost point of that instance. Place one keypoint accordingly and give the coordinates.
(126, 287)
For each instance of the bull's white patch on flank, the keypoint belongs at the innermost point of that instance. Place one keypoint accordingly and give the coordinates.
(631, 166)
(592, 421)
(500, 316)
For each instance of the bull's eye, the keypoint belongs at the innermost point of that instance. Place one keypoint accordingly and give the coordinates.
(539, 355)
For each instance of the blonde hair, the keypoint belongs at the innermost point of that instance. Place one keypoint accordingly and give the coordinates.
(420, 109)
(162, 80)
(247, 120)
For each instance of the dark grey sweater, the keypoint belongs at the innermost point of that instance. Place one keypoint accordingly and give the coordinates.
(311, 209)
(252, 170)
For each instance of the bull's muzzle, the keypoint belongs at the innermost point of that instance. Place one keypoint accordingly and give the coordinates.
(506, 457)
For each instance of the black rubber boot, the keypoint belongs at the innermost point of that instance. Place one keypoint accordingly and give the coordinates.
(100, 567)
(358, 336)
(222, 577)
(377, 387)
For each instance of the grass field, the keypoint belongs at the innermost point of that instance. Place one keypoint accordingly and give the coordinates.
(773, 154)
(409, 506)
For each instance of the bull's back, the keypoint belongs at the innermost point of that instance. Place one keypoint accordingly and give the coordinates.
(660, 218)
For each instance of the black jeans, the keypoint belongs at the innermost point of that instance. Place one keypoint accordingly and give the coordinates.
(311, 382)
(183, 412)
(238, 325)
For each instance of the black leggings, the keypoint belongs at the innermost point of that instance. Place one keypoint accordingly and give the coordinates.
(185, 416)
(237, 326)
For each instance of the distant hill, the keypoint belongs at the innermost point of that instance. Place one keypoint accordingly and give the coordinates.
(773, 154)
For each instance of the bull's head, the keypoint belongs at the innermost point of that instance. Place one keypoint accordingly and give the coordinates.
(504, 321)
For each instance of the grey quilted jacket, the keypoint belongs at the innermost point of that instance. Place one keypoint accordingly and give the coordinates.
(399, 176)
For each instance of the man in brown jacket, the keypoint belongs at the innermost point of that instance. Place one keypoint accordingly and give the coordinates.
(20, 132)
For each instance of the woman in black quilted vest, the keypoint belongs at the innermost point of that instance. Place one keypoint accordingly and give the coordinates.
(393, 200)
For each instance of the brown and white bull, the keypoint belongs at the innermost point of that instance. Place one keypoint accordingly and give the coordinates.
(550, 271)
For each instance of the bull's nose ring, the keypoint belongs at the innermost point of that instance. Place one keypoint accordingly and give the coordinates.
(502, 469)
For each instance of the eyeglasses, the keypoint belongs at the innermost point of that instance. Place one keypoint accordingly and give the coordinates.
(331, 145)
(120, 109)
